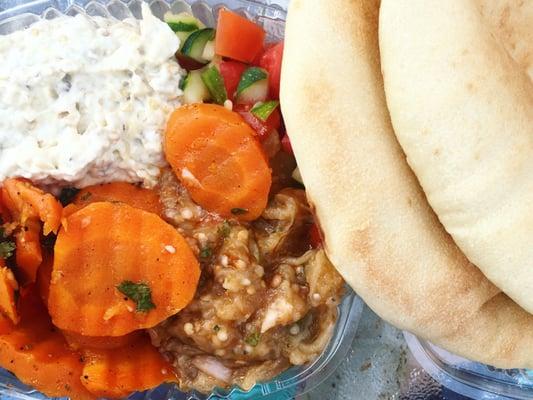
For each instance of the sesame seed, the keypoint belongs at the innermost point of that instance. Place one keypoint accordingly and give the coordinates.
(316, 297)
(259, 271)
(85, 222)
(202, 237)
(224, 260)
(170, 249)
(240, 264)
(222, 336)
(246, 282)
(294, 330)
(248, 348)
(164, 371)
(188, 329)
(250, 290)
(186, 213)
(276, 281)
(228, 104)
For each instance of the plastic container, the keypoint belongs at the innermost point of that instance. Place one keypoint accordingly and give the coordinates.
(19, 14)
(475, 380)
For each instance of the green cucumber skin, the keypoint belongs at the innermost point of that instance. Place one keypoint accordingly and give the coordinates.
(264, 110)
(194, 89)
(195, 43)
(183, 26)
(251, 76)
(215, 84)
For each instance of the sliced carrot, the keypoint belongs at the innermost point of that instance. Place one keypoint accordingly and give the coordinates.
(30, 201)
(44, 276)
(133, 195)
(38, 354)
(8, 290)
(216, 157)
(77, 341)
(137, 366)
(118, 269)
(28, 253)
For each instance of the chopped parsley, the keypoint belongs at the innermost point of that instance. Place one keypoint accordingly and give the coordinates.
(253, 339)
(86, 196)
(7, 247)
(206, 252)
(67, 195)
(224, 229)
(238, 211)
(139, 293)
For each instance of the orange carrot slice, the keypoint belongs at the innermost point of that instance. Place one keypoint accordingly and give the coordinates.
(77, 341)
(44, 276)
(116, 373)
(118, 269)
(216, 157)
(28, 253)
(133, 195)
(8, 289)
(29, 201)
(38, 354)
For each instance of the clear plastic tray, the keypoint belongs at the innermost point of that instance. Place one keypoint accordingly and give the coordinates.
(19, 14)
(475, 380)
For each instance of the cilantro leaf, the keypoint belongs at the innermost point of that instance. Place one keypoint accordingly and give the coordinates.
(224, 229)
(139, 293)
(206, 252)
(253, 339)
(6, 249)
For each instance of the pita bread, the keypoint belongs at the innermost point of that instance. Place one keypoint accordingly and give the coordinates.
(462, 110)
(512, 22)
(379, 230)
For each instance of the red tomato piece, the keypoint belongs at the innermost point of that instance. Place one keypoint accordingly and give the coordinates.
(237, 37)
(271, 60)
(286, 144)
(231, 71)
(261, 128)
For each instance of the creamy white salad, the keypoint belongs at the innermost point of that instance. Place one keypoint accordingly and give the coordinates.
(86, 101)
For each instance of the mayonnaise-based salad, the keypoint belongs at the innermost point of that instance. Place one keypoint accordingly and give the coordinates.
(85, 101)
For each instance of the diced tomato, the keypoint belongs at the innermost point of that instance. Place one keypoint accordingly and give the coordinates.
(237, 37)
(271, 61)
(315, 237)
(231, 71)
(286, 144)
(262, 128)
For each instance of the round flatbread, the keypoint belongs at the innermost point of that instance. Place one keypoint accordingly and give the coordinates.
(379, 230)
(462, 110)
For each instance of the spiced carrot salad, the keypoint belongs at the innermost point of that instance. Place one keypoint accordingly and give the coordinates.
(154, 226)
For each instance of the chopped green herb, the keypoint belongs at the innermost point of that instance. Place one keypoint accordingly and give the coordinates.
(264, 110)
(224, 229)
(140, 293)
(67, 195)
(6, 249)
(86, 196)
(238, 211)
(253, 339)
(206, 252)
(216, 328)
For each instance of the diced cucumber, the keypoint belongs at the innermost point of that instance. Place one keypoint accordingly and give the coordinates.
(195, 44)
(264, 110)
(183, 24)
(253, 86)
(209, 51)
(215, 84)
(194, 89)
